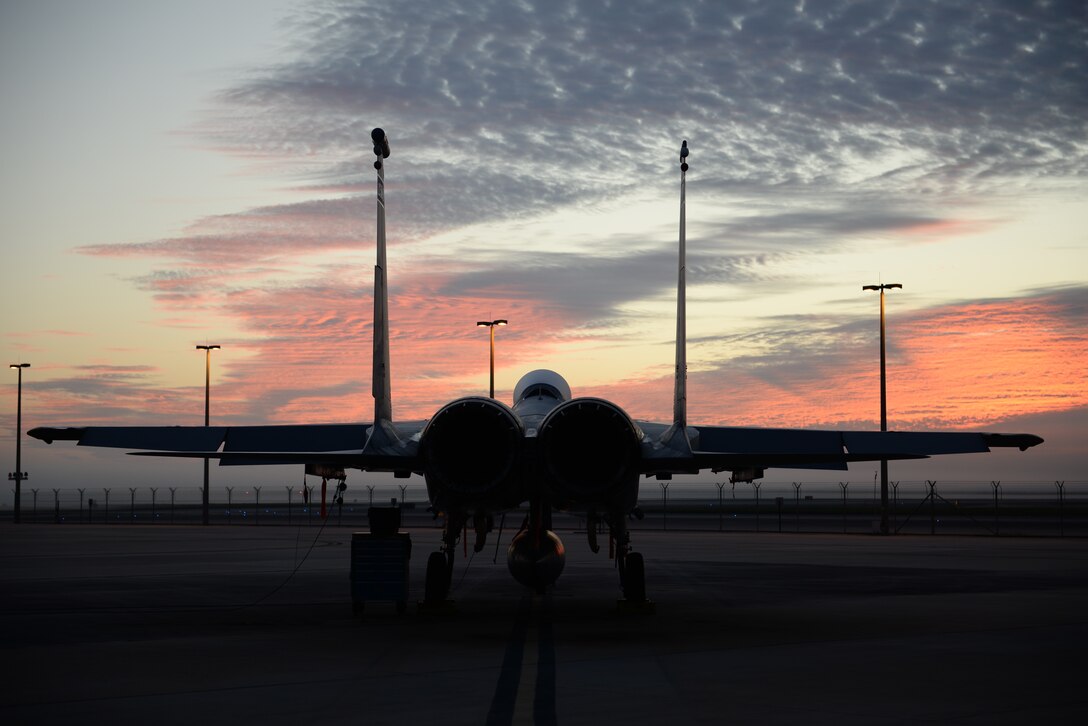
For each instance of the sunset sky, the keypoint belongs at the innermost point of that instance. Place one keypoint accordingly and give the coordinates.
(182, 173)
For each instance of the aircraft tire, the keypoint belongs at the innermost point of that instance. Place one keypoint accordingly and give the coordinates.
(634, 578)
(437, 585)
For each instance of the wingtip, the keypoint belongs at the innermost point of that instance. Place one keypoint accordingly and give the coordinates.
(49, 434)
(1019, 441)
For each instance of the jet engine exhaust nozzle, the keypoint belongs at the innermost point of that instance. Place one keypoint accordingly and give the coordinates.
(590, 451)
(471, 452)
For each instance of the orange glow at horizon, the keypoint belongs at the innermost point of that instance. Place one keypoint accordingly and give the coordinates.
(955, 366)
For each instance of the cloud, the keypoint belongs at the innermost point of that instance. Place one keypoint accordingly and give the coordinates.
(813, 124)
(853, 117)
(770, 93)
(963, 364)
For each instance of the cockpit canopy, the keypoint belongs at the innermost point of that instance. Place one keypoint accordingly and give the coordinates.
(542, 383)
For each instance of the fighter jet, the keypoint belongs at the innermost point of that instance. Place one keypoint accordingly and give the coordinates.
(549, 448)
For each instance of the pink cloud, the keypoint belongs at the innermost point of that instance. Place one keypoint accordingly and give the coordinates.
(309, 342)
(256, 237)
(957, 366)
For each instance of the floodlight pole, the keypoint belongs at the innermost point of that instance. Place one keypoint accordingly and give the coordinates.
(883, 402)
(205, 518)
(491, 325)
(18, 475)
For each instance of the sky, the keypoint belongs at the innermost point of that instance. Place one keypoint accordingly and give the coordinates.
(186, 173)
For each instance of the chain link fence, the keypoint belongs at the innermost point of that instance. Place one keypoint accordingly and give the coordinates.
(1048, 509)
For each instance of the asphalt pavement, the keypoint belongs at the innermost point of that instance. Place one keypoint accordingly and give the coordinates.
(183, 624)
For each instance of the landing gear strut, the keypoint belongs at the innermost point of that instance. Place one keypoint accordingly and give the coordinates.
(630, 564)
(436, 588)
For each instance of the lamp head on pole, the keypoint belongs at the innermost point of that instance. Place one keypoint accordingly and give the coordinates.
(208, 347)
(381, 143)
(19, 365)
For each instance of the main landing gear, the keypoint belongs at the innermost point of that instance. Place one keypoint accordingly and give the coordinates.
(630, 564)
(436, 586)
(536, 555)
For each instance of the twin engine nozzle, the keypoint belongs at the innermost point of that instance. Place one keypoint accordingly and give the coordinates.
(589, 452)
(476, 456)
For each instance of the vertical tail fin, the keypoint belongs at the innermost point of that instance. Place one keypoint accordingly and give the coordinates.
(680, 388)
(383, 400)
(676, 436)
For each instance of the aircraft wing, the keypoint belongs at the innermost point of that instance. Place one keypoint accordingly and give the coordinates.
(342, 445)
(724, 447)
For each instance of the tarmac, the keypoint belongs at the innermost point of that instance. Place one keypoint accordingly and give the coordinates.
(137, 624)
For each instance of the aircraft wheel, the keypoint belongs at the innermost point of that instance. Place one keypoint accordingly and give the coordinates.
(437, 584)
(634, 578)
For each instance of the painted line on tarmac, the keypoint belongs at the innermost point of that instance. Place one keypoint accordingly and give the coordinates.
(525, 692)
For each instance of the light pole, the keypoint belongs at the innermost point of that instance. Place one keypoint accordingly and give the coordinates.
(491, 325)
(883, 403)
(207, 405)
(18, 475)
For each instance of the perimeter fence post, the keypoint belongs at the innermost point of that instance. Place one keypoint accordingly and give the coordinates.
(172, 490)
(895, 507)
(932, 496)
(34, 511)
(844, 485)
(797, 505)
(1061, 507)
(230, 501)
(106, 507)
(289, 489)
(996, 486)
(664, 504)
(132, 505)
(56, 506)
(757, 488)
(721, 491)
(153, 490)
(81, 490)
(257, 511)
